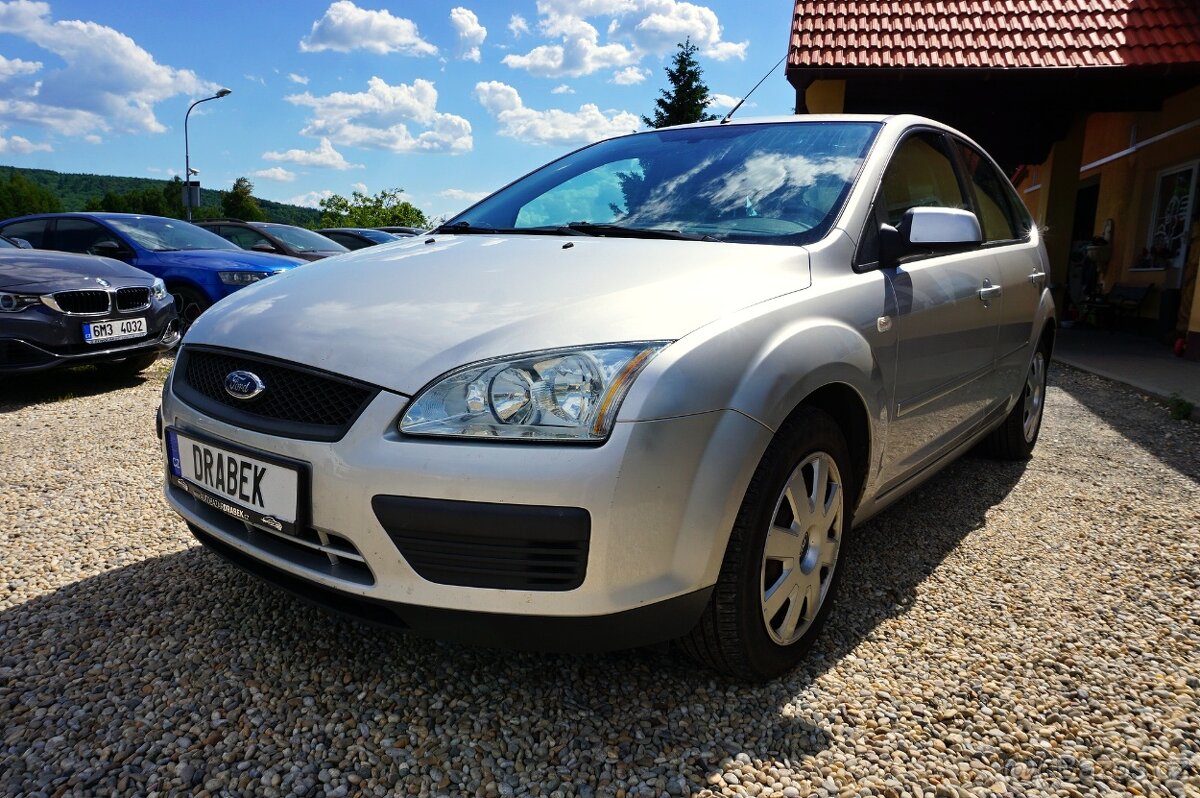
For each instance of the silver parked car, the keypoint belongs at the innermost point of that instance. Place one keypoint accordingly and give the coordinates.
(642, 393)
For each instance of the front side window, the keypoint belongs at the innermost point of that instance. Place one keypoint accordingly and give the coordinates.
(996, 214)
(921, 174)
(80, 235)
(753, 183)
(302, 240)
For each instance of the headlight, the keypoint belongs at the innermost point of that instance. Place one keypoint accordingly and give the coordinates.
(242, 278)
(158, 290)
(562, 395)
(15, 303)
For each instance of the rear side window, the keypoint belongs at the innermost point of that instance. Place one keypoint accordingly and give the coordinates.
(32, 231)
(996, 213)
(921, 174)
(242, 236)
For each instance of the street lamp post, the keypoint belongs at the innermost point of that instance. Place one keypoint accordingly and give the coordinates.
(187, 157)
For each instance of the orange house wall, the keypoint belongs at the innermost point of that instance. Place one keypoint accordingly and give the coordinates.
(1127, 185)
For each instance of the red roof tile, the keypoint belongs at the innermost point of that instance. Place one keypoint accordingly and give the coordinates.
(995, 33)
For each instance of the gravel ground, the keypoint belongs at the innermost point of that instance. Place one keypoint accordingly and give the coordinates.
(1011, 629)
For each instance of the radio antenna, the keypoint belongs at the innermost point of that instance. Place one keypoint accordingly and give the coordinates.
(733, 110)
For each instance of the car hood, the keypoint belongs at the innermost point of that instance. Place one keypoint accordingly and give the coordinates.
(226, 259)
(399, 315)
(43, 270)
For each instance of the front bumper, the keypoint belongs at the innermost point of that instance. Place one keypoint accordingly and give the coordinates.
(21, 354)
(659, 500)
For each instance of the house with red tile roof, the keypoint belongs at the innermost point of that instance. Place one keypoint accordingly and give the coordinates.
(1092, 106)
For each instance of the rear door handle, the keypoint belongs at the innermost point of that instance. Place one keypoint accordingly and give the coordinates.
(989, 292)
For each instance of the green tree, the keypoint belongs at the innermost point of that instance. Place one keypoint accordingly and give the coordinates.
(686, 99)
(379, 210)
(239, 202)
(18, 196)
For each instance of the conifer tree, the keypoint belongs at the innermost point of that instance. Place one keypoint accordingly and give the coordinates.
(686, 99)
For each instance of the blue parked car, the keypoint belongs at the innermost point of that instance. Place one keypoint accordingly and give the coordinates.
(198, 267)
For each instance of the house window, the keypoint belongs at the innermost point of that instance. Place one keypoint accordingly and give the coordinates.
(1174, 200)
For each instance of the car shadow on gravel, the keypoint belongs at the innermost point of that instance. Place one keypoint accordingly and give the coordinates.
(189, 638)
(18, 391)
(1139, 419)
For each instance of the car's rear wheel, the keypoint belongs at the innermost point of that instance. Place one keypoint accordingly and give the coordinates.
(780, 573)
(1016, 437)
(130, 366)
(189, 304)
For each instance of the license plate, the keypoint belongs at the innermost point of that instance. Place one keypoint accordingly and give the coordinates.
(115, 330)
(248, 487)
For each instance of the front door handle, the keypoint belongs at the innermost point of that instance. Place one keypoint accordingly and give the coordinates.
(989, 292)
(1038, 278)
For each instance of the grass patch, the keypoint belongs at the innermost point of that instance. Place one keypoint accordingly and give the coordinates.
(1181, 409)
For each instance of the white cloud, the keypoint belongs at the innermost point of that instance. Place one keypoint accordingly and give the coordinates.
(463, 196)
(277, 173)
(19, 145)
(259, 79)
(722, 101)
(517, 26)
(379, 118)
(324, 155)
(562, 88)
(629, 76)
(11, 67)
(361, 188)
(294, 78)
(579, 54)
(470, 33)
(106, 82)
(636, 28)
(551, 126)
(311, 199)
(92, 138)
(346, 27)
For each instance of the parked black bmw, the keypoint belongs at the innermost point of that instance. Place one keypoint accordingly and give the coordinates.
(60, 309)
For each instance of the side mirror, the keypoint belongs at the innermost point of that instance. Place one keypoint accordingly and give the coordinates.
(22, 243)
(264, 246)
(928, 229)
(109, 249)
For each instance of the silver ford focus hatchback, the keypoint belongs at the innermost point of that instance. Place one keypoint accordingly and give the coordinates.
(641, 394)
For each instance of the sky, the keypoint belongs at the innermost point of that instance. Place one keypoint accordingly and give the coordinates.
(448, 101)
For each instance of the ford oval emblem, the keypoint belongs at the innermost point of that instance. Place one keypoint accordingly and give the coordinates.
(243, 384)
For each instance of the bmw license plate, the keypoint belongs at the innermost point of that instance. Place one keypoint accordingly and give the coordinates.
(115, 330)
(248, 487)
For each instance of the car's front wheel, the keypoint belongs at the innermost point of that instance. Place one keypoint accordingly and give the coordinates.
(189, 304)
(780, 573)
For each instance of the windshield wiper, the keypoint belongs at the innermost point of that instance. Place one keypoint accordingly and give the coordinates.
(466, 228)
(620, 231)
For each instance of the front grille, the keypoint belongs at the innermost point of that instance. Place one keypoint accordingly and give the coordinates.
(82, 301)
(297, 402)
(478, 544)
(132, 299)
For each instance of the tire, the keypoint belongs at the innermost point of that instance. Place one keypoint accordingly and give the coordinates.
(763, 616)
(130, 366)
(189, 304)
(1015, 438)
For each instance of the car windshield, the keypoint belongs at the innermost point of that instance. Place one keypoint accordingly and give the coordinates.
(6, 244)
(303, 240)
(378, 236)
(780, 183)
(163, 235)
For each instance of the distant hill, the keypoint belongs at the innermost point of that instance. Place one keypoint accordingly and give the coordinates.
(74, 191)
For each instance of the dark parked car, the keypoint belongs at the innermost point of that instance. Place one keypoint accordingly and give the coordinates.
(198, 267)
(282, 239)
(358, 237)
(60, 309)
